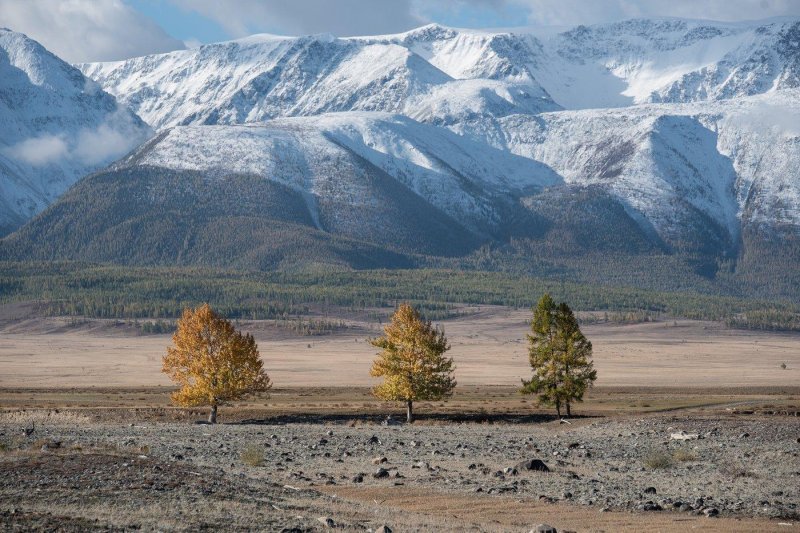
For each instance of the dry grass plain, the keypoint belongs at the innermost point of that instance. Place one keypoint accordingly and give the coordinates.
(488, 345)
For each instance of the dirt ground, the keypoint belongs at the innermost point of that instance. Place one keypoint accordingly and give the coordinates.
(488, 345)
(109, 452)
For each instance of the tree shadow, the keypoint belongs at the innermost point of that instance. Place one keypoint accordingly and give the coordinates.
(422, 419)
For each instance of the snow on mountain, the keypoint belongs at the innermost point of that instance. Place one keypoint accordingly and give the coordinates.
(687, 128)
(661, 113)
(58, 125)
(265, 77)
(314, 155)
(439, 74)
(674, 166)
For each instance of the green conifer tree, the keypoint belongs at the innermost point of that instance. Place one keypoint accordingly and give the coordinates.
(560, 356)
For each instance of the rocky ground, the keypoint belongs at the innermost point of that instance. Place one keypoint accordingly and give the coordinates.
(71, 473)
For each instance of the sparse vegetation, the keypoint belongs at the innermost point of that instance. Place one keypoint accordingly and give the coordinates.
(735, 470)
(684, 456)
(658, 461)
(253, 455)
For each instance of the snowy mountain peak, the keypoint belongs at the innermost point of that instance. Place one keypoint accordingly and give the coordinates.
(57, 126)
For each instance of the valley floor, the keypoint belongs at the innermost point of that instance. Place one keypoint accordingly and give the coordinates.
(108, 452)
(488, 345)
(82, 470)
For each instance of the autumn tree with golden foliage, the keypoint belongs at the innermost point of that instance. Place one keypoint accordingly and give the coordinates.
(412, 362)
(212, 362)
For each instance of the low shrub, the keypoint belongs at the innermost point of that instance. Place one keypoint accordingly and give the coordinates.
(658, 460)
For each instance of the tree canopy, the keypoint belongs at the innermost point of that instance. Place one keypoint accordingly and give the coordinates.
(560, 356)
(412, 362)
(212, 362)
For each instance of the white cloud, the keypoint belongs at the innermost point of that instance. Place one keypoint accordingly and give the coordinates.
(114, 137)
(369, 17)
(101, 145)
(87, 30)
(301, 17)
(38, 151)
(570, 12)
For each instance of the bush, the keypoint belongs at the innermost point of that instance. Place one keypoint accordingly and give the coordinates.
(253, 455)
(658, 460)
(684, 455)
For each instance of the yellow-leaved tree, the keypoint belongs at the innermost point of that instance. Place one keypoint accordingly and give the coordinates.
(412, 362)
(212, 362)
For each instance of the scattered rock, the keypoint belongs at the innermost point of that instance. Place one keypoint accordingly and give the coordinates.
(544, 528)
(711, 512)
(384, 529)
(379, 460)
(650, 490)
(650, 506)
(380, 473)
(536, 465)
(682, 435)
(326, 521)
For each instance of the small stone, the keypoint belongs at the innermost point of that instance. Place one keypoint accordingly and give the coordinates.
(711, 512)
(384, 529)
(544, 528)
(650, 490)
(358, 478)
(326, 521)
(744, 435)
(380, 473)
(380, 460)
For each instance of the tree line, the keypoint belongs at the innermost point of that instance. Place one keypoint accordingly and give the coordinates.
(107, 291)
(214, 364)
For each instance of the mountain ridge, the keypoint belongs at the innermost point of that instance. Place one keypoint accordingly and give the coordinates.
(643, 138)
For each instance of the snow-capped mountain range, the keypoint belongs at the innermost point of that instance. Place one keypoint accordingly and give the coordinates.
(690, 127)
(57, 125)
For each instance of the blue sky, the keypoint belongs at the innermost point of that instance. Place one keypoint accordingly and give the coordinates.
(181, 21)
(108, 30)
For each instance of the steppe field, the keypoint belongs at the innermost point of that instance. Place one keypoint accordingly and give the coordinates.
(89, 441)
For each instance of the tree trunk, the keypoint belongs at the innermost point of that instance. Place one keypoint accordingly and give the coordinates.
(569, 414)
(212, 416)
(558, 408)
(409, 411)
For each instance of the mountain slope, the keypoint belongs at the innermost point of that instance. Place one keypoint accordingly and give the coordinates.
(383, 181)
(57, 126)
